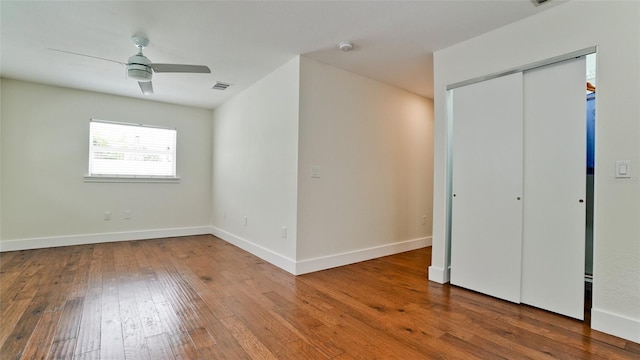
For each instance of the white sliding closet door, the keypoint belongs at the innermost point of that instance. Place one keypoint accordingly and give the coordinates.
(553, 258)
(486, 235)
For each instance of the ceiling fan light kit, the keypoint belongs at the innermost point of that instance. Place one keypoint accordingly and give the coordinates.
(139, 72)
(138, 68)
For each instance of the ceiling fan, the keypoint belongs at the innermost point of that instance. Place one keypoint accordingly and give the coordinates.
(140, 68)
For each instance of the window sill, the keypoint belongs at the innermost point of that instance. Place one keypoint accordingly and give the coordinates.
(131, 179)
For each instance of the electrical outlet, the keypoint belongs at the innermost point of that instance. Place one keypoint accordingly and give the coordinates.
(107, 215)
(424, 219)
(284, 232)
(127, 214)
(245, 221)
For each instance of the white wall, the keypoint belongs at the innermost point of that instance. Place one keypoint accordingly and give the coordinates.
(373, 144)
(615, 28)
(44, 156)
(255, 157)
(0, 159)
(372, 141)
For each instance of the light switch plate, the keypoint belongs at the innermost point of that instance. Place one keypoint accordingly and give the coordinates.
(623, 169)
(315, 171)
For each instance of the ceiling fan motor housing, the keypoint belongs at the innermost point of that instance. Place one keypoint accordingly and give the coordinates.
(138, 68)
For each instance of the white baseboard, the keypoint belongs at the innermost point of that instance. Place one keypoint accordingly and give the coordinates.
(319, 263)
(351, 257)
(55, 241)
(439, 275)
(283, 262)
(265, 254)
(616, 325)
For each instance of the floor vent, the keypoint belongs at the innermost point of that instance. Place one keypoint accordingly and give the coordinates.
(220, 86)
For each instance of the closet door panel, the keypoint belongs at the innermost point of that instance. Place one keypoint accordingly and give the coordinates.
(486, 235)
(554, 183)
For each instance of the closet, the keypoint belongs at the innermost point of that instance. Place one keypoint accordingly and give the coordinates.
(518, 186)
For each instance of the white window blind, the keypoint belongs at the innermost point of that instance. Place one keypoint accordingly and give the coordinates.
(131, 150)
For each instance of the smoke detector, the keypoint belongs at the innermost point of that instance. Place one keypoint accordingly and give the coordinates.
(345, 46)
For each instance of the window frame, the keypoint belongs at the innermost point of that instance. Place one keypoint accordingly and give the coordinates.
(125, 178)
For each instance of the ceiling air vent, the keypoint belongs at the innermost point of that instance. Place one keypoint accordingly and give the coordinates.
(539, 2)
(220, 86)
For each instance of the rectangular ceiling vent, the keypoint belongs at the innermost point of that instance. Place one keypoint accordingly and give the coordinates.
(539, 2)
(220, 86)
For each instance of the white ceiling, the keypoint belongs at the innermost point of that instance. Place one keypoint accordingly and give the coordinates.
(241, 41)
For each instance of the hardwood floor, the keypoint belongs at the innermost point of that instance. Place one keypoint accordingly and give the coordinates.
(201, 298)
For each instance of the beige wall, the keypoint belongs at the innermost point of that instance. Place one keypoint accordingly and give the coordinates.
(373, 145)
(250, 158)
(255, 157)
(45, 144)
(372, 142)
(615, 28)
(1, 159)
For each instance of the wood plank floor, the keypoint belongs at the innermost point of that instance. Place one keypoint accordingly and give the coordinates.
(201, 298)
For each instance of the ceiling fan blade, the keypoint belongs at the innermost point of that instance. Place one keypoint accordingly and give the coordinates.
(85, 55)
(146, 87)
(180, 68)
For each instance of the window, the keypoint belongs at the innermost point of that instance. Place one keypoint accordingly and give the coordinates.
(131, 152)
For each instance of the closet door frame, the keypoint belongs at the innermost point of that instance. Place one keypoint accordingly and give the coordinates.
(449, 190)
(523, 68)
